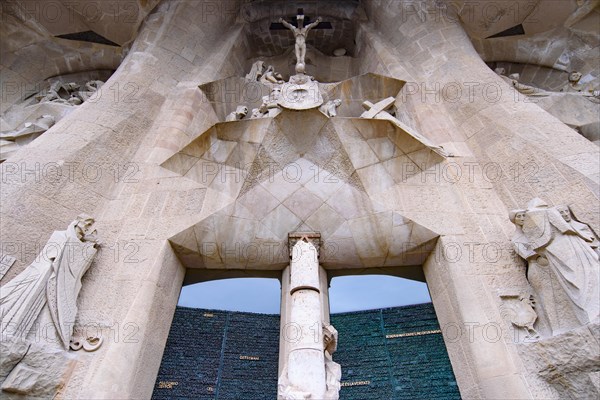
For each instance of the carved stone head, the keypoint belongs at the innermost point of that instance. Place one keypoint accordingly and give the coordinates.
(564, 212)
(517, 217)
(574, 77)
(241, 111)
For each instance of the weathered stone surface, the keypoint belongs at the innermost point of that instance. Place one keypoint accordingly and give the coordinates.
(569, 361)
(13, 350)
(22, 380)
(40, 374)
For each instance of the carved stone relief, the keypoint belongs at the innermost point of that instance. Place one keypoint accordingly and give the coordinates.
(519, 309)
(11, 141)
(330, 108)
(562, 263)
(564, 274)
(237, 115)
(6, 262)
(45, 295)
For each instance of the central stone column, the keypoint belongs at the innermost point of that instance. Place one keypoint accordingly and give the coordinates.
(306, 362)
(302, 361)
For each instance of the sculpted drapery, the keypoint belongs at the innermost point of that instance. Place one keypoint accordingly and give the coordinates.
(563, 265)
(51, 283)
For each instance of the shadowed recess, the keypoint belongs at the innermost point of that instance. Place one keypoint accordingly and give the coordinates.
(88, 36)
(513, 31)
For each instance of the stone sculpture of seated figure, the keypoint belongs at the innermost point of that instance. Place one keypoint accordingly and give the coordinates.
(330, 108)
(237, 115)
(573, 84)
(270, 76)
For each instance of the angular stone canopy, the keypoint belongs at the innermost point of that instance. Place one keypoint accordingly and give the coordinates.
(303, 171)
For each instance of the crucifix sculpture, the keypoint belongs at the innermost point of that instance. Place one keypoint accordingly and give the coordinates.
(300, 34)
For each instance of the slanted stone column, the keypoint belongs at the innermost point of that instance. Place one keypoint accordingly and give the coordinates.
(302, 366)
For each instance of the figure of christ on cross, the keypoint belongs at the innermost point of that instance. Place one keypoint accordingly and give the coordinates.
(300, 34)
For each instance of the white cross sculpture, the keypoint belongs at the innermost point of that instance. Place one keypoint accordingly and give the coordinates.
(377, 111)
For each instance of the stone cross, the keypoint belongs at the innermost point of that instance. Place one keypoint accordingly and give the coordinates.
(377, 111)
(374, 109)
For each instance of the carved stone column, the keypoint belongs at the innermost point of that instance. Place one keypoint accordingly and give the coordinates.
(302, 370)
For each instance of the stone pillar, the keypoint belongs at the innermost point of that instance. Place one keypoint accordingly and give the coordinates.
(303, 371)
(285, 328)
(324, 290)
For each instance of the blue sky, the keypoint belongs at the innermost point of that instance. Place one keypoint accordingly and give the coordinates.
(347, 293)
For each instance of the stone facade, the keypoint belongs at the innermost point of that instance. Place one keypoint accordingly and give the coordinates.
(421, 189)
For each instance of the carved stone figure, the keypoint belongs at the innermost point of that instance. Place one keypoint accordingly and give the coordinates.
(40, 125)
(45, 293)
(50, 95)
(300, 34)
(513, 80)
(593, 96)
(522, 314)
(569, 276)
(270, 76)
(330, 108)
(256, 71)
(520, 242)
(91, 88)
(69, 93)
(237, 115)
(301, 79)
(527, 89)
(582, 230)
(333, 370)
(573, 85)
(74, 100)
(555, 305)
(256, 113)
(270, 107)
(51, 283)
(11, 141)
(93, 85)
